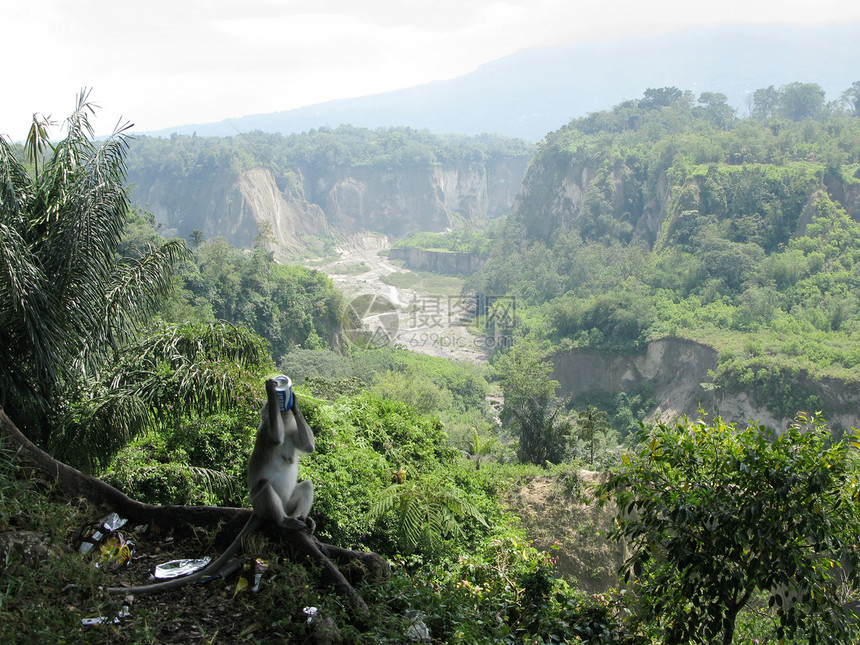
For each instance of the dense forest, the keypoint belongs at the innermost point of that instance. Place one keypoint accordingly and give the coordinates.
(140, 360)
(670, 216)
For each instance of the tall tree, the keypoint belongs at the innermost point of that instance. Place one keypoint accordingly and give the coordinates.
(589, 424)
(660, 97)
(716, 109)
(851, 97)
(764, 103)
(799, 101)
(68, 301)
(544, 430)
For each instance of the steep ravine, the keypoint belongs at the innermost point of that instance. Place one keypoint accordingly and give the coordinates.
(678, 370)
(334, 201)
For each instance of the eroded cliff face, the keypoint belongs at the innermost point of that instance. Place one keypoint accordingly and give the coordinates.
(237, 207)
(332, 201)
(615, 197)
(556, 190)
(678, 370)
(447, 262)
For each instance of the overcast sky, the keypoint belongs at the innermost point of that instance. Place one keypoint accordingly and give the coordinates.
(162, 63)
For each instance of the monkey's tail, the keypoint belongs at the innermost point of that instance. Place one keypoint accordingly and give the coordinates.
(210, 569)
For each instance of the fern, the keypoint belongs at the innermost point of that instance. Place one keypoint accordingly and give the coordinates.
(424, 515)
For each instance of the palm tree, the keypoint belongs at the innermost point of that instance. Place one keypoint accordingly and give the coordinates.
(173, 371)
(591, 422)
(68, 302)
(543, 430)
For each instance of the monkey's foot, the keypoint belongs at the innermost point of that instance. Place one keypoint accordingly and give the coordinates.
(299, 523)
(310, 525)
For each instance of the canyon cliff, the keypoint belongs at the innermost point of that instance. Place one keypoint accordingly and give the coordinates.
(680, 372)
(295, 201)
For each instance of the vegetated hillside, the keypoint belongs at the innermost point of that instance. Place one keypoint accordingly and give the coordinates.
(302, 190)
(669, 217)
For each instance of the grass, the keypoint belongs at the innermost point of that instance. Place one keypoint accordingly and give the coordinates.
(425, 282)
(354, 268)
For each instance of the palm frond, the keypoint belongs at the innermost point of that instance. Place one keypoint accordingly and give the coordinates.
(190, 369)
(214, 482)
(16, 186)
(96, 428)
(138, 287)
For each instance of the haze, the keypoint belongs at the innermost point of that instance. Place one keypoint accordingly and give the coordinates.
(164, 63)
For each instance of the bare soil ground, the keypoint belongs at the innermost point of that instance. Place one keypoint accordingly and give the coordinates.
(555, 516)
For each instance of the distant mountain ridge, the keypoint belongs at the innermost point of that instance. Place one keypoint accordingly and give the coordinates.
(533, 92)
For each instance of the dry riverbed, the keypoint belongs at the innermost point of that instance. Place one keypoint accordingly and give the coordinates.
(424, 314)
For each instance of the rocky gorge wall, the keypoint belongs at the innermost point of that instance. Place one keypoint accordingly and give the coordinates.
(678, 370)
(446, 262)
(565, 190)
(337, 200)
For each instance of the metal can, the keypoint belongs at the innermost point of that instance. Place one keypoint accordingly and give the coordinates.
(284, 389)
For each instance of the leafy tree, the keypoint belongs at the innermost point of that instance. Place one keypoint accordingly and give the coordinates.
(302, 364)
(716, 109)
(764, 103)
(525, 375)
(531, 406)
(68, 301)
(196, 237)
(287, 305)
(798, 101)
(714, 514)
(411, 387)
(660, 97)
(851, 97)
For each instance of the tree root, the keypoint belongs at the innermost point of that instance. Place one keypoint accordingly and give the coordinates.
(73, 483)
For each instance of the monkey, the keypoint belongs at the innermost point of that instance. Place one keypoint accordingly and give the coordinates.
(276, 494)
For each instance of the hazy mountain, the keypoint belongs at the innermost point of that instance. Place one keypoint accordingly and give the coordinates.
(536, 91)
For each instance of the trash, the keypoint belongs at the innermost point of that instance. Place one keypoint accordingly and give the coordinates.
(176, 568)
(116, 549)
(255, 566)
(260, 567)
(241, 585)
(310, 612)
(100, 620)
(417, 631)
(95, 533)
